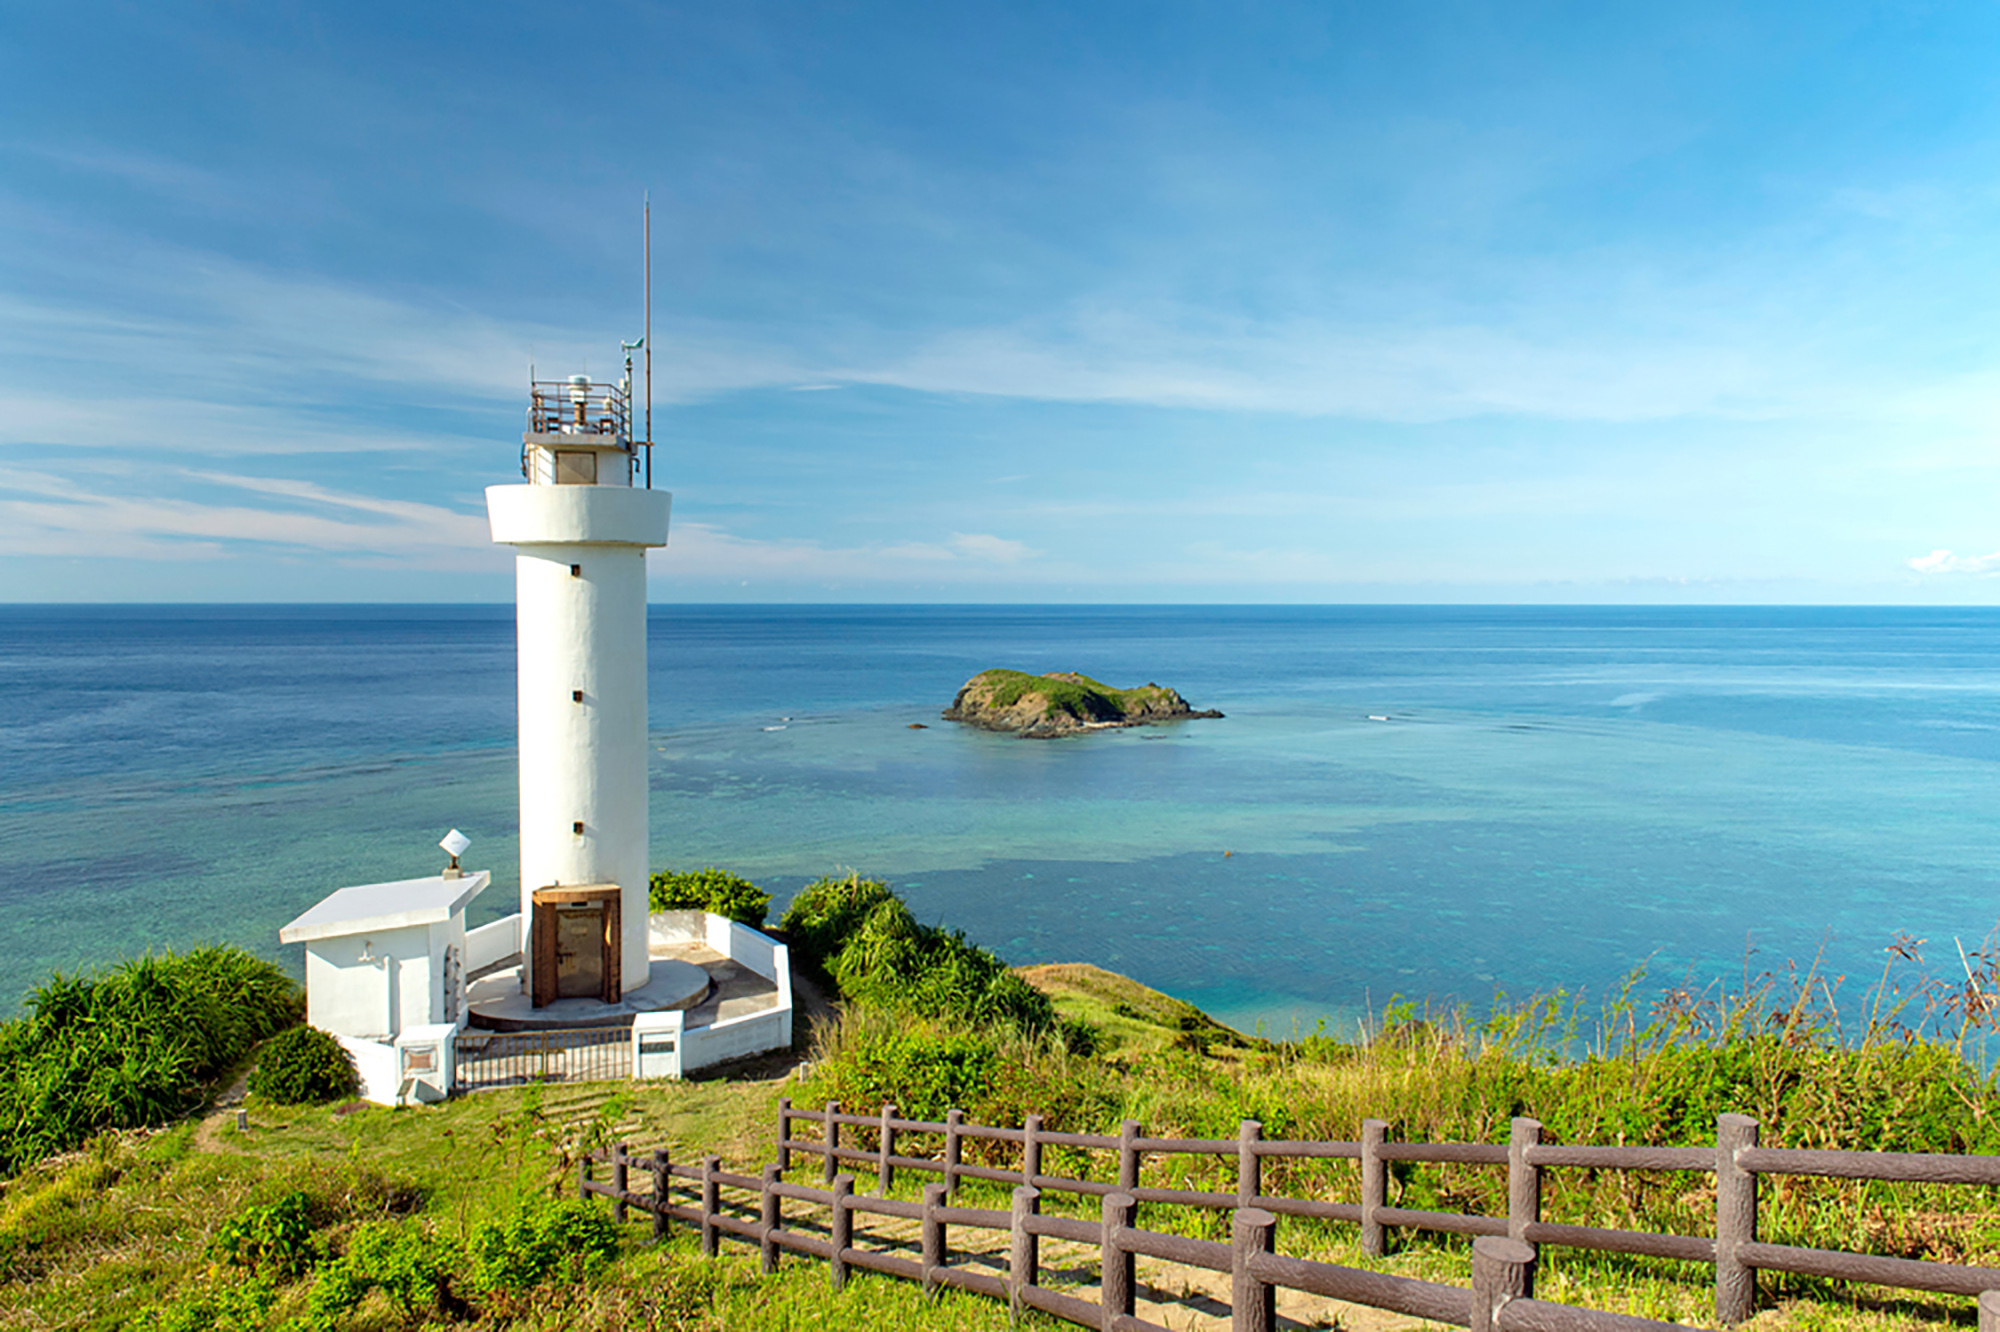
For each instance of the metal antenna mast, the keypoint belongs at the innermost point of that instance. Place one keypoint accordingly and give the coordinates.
(647, 338)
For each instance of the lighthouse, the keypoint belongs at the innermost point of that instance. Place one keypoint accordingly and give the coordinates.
(581, 522)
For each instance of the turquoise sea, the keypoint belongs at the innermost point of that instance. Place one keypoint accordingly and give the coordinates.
(1556, 795)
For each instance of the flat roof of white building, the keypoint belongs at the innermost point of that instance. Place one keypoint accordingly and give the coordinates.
(374, 907)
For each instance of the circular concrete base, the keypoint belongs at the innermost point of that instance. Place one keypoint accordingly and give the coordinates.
(496, 1002)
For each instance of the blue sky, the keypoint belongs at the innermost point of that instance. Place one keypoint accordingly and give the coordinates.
(1180, 302)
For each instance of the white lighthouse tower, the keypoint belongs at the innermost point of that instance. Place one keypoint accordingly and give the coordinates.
(581, 524)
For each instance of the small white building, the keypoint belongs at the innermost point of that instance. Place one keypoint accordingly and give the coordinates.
(385, 972)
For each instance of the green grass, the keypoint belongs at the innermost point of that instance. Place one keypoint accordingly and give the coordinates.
(124, 1233)
(198, 1225)
(1080, 697)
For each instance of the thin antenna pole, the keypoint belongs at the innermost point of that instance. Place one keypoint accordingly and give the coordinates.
(648, 339)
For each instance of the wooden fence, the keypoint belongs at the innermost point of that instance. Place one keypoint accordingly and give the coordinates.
(1736, 1160)
(1504, 1248)
(1500, 1299)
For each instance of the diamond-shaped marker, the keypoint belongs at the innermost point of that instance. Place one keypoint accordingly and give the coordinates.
(454, 843)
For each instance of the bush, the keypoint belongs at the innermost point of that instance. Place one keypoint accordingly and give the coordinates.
(304, 1066)
(273, 1236)
(218, 1306)
(542, 1239)
(923, 1073)
(827, 911)
(710, 889)
(132, 1046)
(870, 1057)
(410, 1266)
(877, 953)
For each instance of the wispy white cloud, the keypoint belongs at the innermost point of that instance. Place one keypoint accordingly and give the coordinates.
(704, 552)
(167, 176)
(1945, 562)
(126, 516)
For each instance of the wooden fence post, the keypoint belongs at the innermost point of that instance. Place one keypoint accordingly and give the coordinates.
(1502, 1270)
(1989, 1311)
(711, 1203)
(784, 1133)
(1128, 1155)
(1023, 1247)
(1031, 1150)
(583, 1177)
(885, 1174)
(1253, 1303)
(1524, 1181)
(932, 1254)
(842, 1231)
(1374, 1187)
(1735, 1219)
(954, 1146)
(771, 1215)
(1115, 1275)
(832, 1140)
(662, 1172)
(619, 1178)
(1249, 1166)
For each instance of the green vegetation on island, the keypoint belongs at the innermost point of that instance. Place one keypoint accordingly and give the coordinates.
(1061, 703)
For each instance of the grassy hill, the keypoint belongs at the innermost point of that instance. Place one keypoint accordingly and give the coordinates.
(451, 1216)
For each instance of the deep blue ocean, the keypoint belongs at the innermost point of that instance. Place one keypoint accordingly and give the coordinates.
(1557, 795)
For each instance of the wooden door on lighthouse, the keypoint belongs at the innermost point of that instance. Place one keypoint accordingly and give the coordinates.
(577, 937)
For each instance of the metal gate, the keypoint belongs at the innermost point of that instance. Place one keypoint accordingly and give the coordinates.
(489, 1059)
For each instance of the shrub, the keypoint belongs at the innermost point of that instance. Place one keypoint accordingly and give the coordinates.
(303, 1066)
(273, 1236)
(877, 953)
(826, 911)
(710, 889)
(870, 1057)
(540, 1240)
(131, 1046)
(922, 1072)
(218, 1306)
(412, 1268)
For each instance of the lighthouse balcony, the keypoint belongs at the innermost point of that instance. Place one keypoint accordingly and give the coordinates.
(560, 515)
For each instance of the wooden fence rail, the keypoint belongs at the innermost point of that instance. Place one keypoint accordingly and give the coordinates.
(1736, 1160)
(1500, 1299)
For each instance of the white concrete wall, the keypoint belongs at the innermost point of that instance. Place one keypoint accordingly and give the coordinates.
(740, 943)
(781, 960)
(702, 1046)
(677, 927)
(378, 1065)
(373, 999)
(492, 942)
(584, 761)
